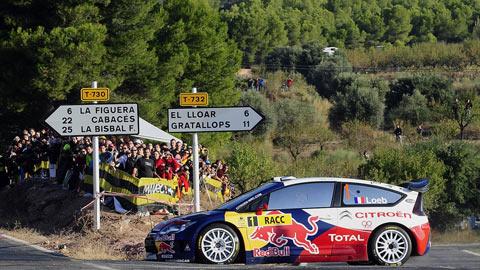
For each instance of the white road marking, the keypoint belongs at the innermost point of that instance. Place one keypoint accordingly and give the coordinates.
(99, 266)
(446, 267)
(471, 252)
(39, 248)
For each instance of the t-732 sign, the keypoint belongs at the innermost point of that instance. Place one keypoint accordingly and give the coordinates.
(193, 120)
(95, 119)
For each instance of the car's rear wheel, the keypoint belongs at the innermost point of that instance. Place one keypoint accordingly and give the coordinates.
(391, 246)
(218, 243)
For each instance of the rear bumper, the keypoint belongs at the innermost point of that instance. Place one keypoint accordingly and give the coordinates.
(422, 236)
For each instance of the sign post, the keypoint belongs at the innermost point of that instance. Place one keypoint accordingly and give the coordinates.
(194, 120)
(196, 180)
(96, 177)
(94, 120)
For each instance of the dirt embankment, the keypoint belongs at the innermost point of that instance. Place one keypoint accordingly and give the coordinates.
(50, 216)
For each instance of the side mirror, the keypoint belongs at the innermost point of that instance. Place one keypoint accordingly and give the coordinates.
(260, 209)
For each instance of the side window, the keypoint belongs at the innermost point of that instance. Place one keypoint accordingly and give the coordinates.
(308, 195)
(255, 204)
(354, 194)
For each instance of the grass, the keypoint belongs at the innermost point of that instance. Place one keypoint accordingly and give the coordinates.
(456, 237)
(25, 234)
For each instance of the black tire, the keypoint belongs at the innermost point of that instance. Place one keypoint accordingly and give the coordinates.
(391, 246)
(227, 251)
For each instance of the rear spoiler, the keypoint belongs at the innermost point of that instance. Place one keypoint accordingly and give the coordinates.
(418, 185)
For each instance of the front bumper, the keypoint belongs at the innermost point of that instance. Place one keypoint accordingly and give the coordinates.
(168, 248)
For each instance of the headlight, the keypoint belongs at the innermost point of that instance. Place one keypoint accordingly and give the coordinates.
(176, 227)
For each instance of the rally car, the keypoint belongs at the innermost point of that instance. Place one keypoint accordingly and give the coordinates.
(291, 220)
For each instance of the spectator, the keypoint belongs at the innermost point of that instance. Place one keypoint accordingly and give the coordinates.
(144, 166)
(183, 183)
(398, 134)
(172, 144)
(251, 84)
(289, 83)
(178, 150)
(171, 166)
(123, 159)
(420, 130)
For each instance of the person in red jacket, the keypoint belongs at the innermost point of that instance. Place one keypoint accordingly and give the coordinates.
(172, 166)
(183, 180)
(161, 166)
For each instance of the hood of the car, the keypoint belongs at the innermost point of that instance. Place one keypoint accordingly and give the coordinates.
(190, 217)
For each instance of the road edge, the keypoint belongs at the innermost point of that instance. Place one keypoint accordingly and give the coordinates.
(37, 247)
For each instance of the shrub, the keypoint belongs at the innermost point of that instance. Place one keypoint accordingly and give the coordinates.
(412, 108)
(249, 166)
(261, 104)
(298, 126)
(357, 103)
(405, 164)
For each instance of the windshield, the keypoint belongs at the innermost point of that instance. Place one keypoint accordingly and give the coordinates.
(230, 205)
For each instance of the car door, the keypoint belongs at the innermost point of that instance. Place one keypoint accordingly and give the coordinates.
(296, 221)
(356, 220)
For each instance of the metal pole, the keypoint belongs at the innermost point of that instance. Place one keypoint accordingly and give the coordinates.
(96, 178)
(196, 181)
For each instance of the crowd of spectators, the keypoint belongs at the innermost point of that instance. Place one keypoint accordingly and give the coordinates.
(70, 158)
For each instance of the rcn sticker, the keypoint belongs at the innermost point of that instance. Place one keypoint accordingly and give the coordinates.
(295, 231)
(367, 200)
(272, 252)
(270, 220)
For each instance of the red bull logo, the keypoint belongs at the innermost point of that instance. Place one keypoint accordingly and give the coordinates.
(297, 232)
(272, 252)
(163, 247)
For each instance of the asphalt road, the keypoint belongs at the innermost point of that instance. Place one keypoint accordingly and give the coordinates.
(16, 255)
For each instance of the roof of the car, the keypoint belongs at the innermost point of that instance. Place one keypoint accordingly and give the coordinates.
(292, 180)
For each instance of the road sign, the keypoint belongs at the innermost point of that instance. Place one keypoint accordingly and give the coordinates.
(194, 99)
(95, 94)
(95, 119)
(190, 120)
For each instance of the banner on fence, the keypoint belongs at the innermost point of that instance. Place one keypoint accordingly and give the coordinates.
(214, 188)
(42, 165)
(151, 190)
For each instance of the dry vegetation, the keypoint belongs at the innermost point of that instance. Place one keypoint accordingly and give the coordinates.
(49, 216)
(456, 237)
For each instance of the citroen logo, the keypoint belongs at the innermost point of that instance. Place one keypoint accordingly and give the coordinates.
(345, 214)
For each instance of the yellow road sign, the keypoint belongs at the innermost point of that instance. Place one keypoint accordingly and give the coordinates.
(194, 99)
(95, 94)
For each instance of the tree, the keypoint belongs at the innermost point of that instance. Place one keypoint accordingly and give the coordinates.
(463, 176)
(412, 108)
(256, 28)
(193, 49)
(261, 104)
(48, 51)
(130, 59)
(297, 126)
(357, 102)
(398, 25)
(463, 113)
(249, 168)
(406, 164)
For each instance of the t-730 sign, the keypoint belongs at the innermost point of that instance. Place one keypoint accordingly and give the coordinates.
(95, 119)
(193, 120)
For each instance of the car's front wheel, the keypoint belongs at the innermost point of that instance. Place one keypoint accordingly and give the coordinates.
(218, 243)
(391, 246)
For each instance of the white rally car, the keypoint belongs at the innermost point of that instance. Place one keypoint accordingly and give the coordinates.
(303, 220)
